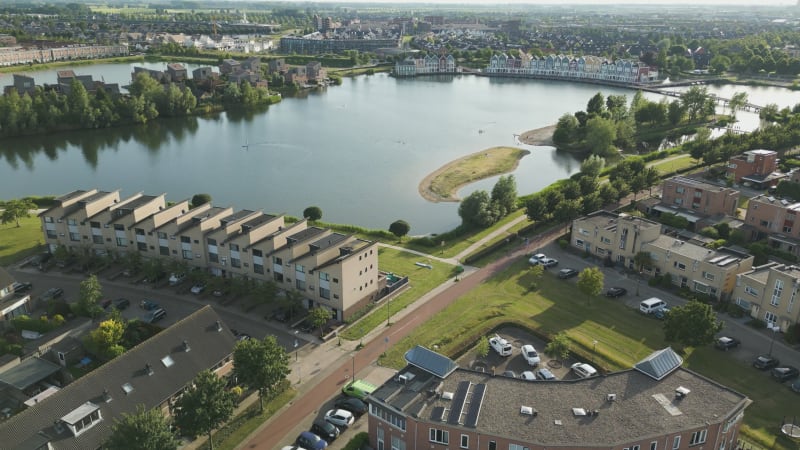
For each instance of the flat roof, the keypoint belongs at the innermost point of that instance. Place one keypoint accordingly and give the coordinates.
(28, 372)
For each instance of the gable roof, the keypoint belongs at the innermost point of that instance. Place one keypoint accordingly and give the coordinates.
(430, 361)
(659, 364)
(208, 348)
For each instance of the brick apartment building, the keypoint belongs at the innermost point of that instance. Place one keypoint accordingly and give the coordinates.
(754, 166)
(333, 270)
(699, 197)
(657, 405)
(776, 220)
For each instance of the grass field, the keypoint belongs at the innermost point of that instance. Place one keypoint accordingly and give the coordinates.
(233, 434)
(421, 280)
(480, 165)
(624, 337)
(18, 243)
(677, 163)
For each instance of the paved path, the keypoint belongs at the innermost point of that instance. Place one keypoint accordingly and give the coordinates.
(273, 433)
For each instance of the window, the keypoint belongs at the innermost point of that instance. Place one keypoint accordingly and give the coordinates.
(257, 253)
(236, 262)
(492, 445)
(325, 277)
(122, 242)
(48, 219)
(787, 229)
(97, 239)
(325, 293)
(680, 189)
(72, 222)
(517, 447)
(678, 201)
(770, 318)
(698, 194)
(299, 268)
(439, 436)
(258, 268)
(234, 247)
(276, 260)
(75, 237)
(163, 250)
(213, 257)
(162, 235)
(300, 284)
(398, 444)
(380, 438)
(654, 445)
(679, 265)
(141, 246)
(464, 441)
(676, 443)
(698, 437)
(212, 241)
(605, 240)
(750, 290)
(186, 240)
(700, 287)
(776, 293)
(635, 447)
(94, 224)
(708, 276)
(51, 234)
(187, 254)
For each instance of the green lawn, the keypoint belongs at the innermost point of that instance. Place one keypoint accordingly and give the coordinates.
(675, 164)
(623, 338)
(240, 427)
(18, 243)
(421, 281)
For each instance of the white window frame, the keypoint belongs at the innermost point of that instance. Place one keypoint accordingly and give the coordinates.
(438, 436)
(698, 437)
(676, 442)
(464, 441)
(777, 291)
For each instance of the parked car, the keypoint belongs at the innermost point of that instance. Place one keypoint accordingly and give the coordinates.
(549, 262)
(340, 417)
(661, 314)
(52, 293)
(105, 303)
(21, 286)
(537, 258)
(500, 345)
(616, 291)
(352, 404)
(155, 315)
(796, 386)
(726, 343)
(651, 305)
(198, 288)
(785, 373)
(764, 362)
(281, 315)
(122, 303)
(325, 430)
(359, 389)
(528, 376)
(531, 355)
(148, 305)
(176, 278)
(240, 336)
(567, 273)
(583, 370)
(544, 374)
(305, 326)
(310, 441)
(510, 374)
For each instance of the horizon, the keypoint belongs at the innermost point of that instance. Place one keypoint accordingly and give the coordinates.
(557, 3)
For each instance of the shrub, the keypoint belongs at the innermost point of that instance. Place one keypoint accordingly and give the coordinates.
(758, 324)
(736, 312)
(563, 243)
(358, 442)
(792, 334)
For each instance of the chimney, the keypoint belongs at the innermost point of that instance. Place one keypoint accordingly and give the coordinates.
(186, 347)
(219, 326)
(149, 369)
(106, 396)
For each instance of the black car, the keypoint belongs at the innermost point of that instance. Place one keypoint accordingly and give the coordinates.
(19, 286)
(567, 273)
(510, 374)
(785, 373)
(52, 293)
(352, 404)
(325, 430)
(726, 343)
(122, 303)
(765, 362)
(615, 292)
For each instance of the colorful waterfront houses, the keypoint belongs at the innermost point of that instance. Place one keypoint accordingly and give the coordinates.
(430, 64)
(571, 67)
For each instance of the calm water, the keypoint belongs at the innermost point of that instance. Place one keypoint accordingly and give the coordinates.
(358, 151)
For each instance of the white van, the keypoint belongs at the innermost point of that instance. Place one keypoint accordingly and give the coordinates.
(652, 305)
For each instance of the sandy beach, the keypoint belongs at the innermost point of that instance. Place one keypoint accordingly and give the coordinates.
(539, 136)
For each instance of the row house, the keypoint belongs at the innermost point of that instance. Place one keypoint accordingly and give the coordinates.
(697, 268)
(619, 237)
(769, 293)
(657, 405)
(699, 197)
(570, 67)
(430, 64)
(776, 220)
(16, 56)
(332, 270)
(757, 167)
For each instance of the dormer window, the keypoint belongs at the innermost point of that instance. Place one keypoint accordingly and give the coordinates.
(82, 418)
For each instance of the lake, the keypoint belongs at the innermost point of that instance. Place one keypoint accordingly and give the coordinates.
(358, 151)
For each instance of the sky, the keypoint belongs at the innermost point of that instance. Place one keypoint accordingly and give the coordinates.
(583, 2)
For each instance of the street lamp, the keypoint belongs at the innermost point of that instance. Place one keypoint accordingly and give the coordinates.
(296, 351)
(775, 330)
(388, 312)
(594, 349)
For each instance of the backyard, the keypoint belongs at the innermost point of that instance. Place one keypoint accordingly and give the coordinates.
(623, 338)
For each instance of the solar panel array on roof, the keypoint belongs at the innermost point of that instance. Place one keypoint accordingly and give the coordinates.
(716, 259)
(725, 262)
(437, 413)
(458, 402)
(430, 361)
(475, 405)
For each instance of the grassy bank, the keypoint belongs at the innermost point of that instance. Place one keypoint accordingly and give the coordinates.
(19, 243)
(54, 65)
(624, 337)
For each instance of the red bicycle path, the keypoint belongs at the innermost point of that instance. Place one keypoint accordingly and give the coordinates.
(274, 431)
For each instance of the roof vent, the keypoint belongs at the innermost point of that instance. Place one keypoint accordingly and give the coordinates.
(106, 396)
(219, 326)
(578, 412)
(681, 392)
(186, 347)
(528, 411)
(611, 397)
(447, 395)
(148, 369)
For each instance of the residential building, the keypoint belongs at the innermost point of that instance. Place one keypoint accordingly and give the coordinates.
(314, 44)
(616, 237)
(253, 64)
(700, 269)
(277, 65)
(23, 84)
(16, 55)
(775, 220)
(332, 270)
(769, 293)
(11, 305)
(229, 66)
(657, 405)
(315, 71)
(202, 74)
(152, 374)
(757, 167)
(430, 64)
(297, 75)
(590, 68)
(177, 72)
(158, 75)
(700, 197)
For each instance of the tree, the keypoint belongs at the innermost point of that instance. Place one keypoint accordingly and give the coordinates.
(536, 273)
(14, 210)
(738, 100)
(476, 210)
(105, 341)
(399, 228)
(260, 364)
(590, 282)
(205, 405)
(504, 195)
(567, 210)
(482, 348)
(312, 213)
(692, 325)
(596, 105)
(618, 106)
(318, 317)
(675, 112)
(200, 199)
(89, 298)
(600, 135)
(558, 347)
(694, 100)
(142, 430)
(593, 165)
(536, 208)
(566, 131)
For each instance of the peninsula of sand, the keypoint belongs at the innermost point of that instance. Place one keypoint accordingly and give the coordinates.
(443, 183)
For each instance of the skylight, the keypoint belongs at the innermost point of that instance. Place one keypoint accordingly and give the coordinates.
(167, 361)
(127, 387)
